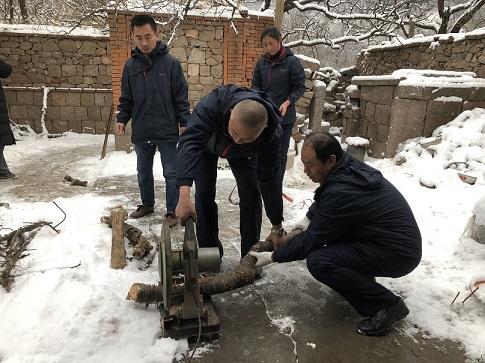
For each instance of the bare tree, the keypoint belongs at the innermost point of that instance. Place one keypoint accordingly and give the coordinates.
(364, 20)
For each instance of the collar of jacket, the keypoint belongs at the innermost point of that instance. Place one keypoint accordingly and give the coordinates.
(159, 49)
(278, 57)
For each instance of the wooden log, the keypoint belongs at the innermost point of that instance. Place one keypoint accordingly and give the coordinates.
(118, 252)
(142, 245)
(242, 275)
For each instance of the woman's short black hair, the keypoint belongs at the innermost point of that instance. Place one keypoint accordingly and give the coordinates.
(324, 145)
(271, 31)
(142, 19)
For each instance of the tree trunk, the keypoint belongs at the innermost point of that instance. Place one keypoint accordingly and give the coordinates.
(242, 275)
(23, 11)
(118, 252)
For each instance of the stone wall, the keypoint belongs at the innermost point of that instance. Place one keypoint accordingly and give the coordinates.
(451, 52)
(76, 110)
(76, 70)
(210, 50)
(387, 111)
(56, 60)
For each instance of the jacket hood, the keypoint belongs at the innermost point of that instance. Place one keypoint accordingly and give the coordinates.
(352, 171)
(159, 49)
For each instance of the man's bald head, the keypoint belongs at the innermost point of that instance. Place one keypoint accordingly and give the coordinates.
(248, 120)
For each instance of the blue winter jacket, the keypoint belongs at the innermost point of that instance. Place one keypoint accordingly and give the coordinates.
(154, 96)
(356, 204)
(207, 132)
(282, 78)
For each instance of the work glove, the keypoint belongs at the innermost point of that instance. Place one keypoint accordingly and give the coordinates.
(263, 258)
(301, 225)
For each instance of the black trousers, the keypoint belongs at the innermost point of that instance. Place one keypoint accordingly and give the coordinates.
(349, 268)
(250, 204)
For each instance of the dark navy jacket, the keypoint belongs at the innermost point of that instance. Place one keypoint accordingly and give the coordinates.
(282, 78)
(207, 131)
(6, 135)
(356, 204)
(154, 96)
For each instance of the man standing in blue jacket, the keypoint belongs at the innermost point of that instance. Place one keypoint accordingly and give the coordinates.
(242, 125)
(154, 96)
(359, 227)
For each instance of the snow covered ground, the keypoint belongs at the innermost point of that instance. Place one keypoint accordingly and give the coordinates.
(55, 313)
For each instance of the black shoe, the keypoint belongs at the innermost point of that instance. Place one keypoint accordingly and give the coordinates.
(141, 211)
(8, 176)
(381, 322)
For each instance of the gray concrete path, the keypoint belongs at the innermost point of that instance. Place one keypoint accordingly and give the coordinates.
(286, 316)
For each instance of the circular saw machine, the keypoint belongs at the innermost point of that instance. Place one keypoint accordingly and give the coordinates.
(192, 313)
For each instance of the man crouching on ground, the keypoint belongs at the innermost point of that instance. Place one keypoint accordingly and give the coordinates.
(359, 227)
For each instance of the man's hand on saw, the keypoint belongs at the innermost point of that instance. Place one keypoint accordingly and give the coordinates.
(185, 208)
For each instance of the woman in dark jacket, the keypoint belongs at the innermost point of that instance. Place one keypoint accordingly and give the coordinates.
(280, 74)
(6, 135)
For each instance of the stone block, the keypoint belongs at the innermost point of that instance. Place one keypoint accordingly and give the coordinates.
(197, 56)
(372, 130)
(54, 71)
(18, 113)
(25, 98)
(73, 99)
(100, 100)
(369, 112)
(88, 127)
(94, 113)
(91, 70)
(378, 150)
(193, 80)
(477, 94)
(377, 94)
(382, 133)
(53, 113)
(193, 70)
(216, 71)
(192, 33)
(207, 35)
(87, 99)
(68, 70)
(10, 97)
(470, 105)
(75, 126)
(81, 113)
(59, 126)
(100, 127)
(439, 113)
(407, 121)
(382, 114)
(206, 80)
(67, 113)
(205, 70)
(68, 45)
(34, 112)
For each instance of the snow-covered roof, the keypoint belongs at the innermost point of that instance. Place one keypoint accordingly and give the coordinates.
(423, 78)
(54, 30)
(420, 39)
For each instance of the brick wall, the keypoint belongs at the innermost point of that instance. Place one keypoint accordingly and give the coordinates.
(230, 57)
(440, 52)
